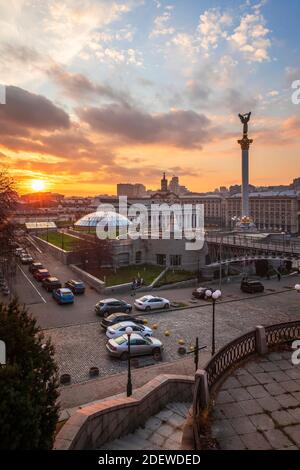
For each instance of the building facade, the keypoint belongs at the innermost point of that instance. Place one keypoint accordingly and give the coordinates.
(271, 211)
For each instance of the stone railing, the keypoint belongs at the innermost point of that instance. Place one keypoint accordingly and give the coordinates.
(257, 341)
(100, 422)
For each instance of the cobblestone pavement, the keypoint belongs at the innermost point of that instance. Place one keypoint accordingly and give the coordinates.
(258, 406)
(162, 431)
(80, 347)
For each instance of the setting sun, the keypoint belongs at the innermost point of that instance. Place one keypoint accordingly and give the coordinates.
(37, 185)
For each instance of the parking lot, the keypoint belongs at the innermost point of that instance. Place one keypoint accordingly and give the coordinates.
(80, 341)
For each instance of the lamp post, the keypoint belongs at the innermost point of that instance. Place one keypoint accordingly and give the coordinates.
(129, 384)
(214, 296)
(48, 229)
(283, 240)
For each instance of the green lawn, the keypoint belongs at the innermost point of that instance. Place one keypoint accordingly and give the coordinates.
(63, 241)
(176, 276)
(127, 273)
(91, 230)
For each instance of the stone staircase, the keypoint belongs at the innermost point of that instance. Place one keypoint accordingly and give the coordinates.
(162, 431)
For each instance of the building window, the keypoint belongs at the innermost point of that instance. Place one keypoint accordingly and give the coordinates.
(138, 257)
(175, 260)
(161, 260)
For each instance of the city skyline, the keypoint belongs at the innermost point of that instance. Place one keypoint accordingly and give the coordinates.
(91, 98)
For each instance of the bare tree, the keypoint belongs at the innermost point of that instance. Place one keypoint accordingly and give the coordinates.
(94, 251)
(8, 201)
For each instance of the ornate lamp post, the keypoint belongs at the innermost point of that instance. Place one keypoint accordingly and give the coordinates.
(215, 296)
(129, 384)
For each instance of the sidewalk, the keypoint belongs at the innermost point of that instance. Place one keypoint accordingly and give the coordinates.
(73, 396)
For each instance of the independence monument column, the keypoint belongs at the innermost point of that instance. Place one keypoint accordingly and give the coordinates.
(245, 142)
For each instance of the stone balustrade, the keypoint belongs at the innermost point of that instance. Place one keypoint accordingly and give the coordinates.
(99, 422)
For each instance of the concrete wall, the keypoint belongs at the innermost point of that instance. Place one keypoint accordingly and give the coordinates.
(94, 425)
(66, 257)
(92, 281)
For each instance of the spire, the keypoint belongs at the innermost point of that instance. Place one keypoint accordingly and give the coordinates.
(164, 183)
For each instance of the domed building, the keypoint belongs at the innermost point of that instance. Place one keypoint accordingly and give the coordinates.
(110, 218)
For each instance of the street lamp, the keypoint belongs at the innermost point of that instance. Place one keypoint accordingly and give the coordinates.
(283, 240)
(129, 384)
(214, 296)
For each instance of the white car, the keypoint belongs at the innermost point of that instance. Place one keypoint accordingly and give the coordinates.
(20, 252)
(149, 302)
(26, 259)
(119, 329)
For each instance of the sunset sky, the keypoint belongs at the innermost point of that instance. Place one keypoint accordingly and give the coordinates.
(100, 92)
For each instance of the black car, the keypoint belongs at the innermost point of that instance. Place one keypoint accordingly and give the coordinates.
(77, 287)
(35, 267)
(119, 317)
(200, 292)
(51, 283)
(105, 307)
(252, 287)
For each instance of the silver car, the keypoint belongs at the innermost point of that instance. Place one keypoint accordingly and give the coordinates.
(119, 329)
(139, 346)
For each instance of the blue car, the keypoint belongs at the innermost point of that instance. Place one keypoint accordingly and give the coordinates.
(77, 287)
(63, 296)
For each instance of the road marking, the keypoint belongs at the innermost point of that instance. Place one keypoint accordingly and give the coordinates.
(30, 282)
(34, 244)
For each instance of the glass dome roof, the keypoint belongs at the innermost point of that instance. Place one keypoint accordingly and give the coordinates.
(110, 218)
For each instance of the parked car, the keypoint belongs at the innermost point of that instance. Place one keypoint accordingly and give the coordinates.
(107, 306)
(139, 346)
(26, 259)
(119, 329)
(149, 302)
(77, 287)
(51, 283)
(200, 292)
(63, 296)
(41, 274)
(35, 267)
(19, 251)
(119, 317)
(252, 287)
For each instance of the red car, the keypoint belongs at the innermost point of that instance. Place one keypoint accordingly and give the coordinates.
(41, 274)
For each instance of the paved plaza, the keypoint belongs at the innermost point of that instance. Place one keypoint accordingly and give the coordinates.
(79, 347)
(258, 406)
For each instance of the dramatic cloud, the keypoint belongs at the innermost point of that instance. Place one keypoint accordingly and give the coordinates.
(251, 38)
(77, 86)
(212, 27)
(29, 110)
(186, 129)
(161, 25)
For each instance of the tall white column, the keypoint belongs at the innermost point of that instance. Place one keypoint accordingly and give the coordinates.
(245, 183)
(245, 146)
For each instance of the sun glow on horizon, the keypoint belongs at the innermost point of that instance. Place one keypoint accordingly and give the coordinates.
(37, 185)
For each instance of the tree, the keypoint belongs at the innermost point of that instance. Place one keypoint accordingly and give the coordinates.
(28, 382)
(97, 252)
(8, 202)
(8, 195)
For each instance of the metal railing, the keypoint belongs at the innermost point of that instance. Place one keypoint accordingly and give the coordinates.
(282, 333)
(277, 246)
(234, 352)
